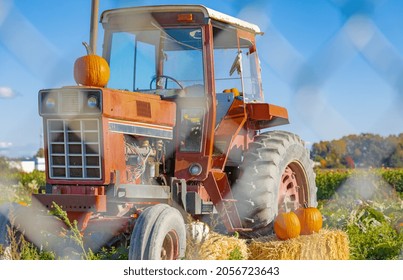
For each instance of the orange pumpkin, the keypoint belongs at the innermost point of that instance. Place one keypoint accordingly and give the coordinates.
(91, 69)
(310, 219)
(287, 225)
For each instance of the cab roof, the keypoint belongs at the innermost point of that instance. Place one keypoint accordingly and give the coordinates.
(207, 12)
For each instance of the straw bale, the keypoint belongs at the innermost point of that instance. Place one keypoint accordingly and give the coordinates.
(219, 247)
(325, 245)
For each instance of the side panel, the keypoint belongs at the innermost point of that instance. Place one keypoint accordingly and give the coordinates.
(227, 131)
(132, 114)
(138, 107)
(114, 154)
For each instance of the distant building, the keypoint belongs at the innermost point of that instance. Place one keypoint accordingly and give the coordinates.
(29, 164)
(40, 164)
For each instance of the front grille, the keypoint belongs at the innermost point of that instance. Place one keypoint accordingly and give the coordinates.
(74, 149)
(70, 102)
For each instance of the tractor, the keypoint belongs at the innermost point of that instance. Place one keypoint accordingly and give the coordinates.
(181, 130)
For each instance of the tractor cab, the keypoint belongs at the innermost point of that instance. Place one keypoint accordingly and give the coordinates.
(181, 50)
(204, 61)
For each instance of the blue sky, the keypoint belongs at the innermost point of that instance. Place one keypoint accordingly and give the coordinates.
(336, 65)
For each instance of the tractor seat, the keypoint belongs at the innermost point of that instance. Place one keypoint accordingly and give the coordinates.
(235, 91)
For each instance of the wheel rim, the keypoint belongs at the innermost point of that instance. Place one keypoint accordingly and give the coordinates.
(170, 246)
(293, 192)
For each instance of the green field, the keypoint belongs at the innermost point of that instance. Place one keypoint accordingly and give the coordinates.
(366, 204)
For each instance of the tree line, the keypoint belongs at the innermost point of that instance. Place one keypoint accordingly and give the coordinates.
(364, 150)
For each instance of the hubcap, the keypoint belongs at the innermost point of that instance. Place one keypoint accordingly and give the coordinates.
(170, 246)
(293, 192)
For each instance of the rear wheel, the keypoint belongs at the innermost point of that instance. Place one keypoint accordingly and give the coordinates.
(159, 234)
(276, 175)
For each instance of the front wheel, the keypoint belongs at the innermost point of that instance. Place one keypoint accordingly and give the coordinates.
(159, 234)
(276, 175)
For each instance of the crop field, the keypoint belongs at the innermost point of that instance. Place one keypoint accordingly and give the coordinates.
(362, 214)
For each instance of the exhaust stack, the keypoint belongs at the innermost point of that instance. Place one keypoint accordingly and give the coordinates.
(94, 25)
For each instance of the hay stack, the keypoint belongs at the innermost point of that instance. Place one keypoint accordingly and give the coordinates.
(222, 247)
(325, 245)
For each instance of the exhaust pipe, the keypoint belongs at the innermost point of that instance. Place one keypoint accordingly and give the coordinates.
(94, 25)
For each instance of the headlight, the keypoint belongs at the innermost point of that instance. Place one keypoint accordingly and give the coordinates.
(50, 103)
(92, 102)
(195, 169)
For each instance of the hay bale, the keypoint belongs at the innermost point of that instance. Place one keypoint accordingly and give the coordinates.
(222, 247)
(325, 245)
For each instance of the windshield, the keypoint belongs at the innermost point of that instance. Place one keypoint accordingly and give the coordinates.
(152, 59)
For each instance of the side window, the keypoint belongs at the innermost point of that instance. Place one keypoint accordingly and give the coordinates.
(145, 65)
(250, 72)
(122, 61)
(133, 60)
(225, 51)
(236, 68)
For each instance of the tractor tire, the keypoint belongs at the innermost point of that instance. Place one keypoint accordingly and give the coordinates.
(159, 234)
(142, 230)
(276, 175)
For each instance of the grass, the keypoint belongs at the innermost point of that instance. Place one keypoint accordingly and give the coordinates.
(364, 205)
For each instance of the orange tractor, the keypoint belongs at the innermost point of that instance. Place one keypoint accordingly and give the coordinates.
(177, 131)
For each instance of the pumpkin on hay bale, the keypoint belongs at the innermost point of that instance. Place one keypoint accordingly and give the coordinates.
(325, 245)
(310, 219)
(287, 225)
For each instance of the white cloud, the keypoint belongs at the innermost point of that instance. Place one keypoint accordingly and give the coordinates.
(7, 93)
(5, 145)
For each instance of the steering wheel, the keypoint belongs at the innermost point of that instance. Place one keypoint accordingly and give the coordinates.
(155, 78)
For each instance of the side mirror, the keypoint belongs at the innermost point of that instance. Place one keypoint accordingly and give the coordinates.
(237, 64)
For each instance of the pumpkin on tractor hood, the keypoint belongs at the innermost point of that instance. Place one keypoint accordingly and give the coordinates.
(91, 69)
